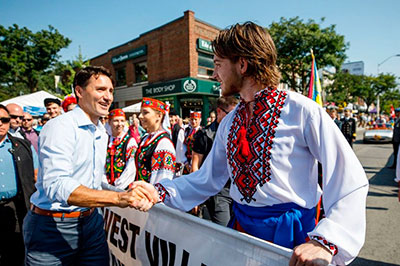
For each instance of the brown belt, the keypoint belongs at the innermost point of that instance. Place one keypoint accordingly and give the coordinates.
(77, 214)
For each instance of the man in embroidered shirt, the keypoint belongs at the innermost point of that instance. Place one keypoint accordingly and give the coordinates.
(269, 147)
(64, 225)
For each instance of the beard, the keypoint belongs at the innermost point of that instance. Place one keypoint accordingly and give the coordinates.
(232, 85)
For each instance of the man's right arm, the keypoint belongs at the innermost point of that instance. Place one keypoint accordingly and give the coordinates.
(137, 197)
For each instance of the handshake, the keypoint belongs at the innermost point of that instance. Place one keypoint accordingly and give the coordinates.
(141, 196)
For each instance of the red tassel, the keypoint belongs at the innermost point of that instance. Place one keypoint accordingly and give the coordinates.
(243, 144)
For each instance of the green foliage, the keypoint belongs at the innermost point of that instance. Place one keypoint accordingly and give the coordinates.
(347, 87)
(67, 72)
(294, 38)
(26, 57)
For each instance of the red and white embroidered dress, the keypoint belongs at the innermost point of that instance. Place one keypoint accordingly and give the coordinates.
(288, 133)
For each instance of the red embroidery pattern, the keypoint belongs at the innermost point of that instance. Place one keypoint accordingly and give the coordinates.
(249, 172)
(162, 192)
(163, 160)
(332, 248)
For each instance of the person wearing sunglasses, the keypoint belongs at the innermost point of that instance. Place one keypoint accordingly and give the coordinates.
(16, 187)
(30, 133)
(16, 115)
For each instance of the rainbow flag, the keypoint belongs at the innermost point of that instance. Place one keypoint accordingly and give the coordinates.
(314, 91)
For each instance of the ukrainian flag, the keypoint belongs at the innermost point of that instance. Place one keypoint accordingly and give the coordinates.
(314, 91)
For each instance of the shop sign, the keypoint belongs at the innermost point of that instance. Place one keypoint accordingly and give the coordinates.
(204, 45)
(161, 89)
(129, 55)
(189, 85)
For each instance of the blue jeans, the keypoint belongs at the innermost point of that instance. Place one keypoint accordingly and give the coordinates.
(65, 241)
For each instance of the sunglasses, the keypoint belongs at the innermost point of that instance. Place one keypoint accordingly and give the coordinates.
(17, 116)
(223, 110)
(27, 119)
(45, 119)
(5, 120)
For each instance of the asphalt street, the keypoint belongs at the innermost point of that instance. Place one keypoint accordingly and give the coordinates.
(382, 242)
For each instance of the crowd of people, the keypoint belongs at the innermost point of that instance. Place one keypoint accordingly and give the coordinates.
(253, 167)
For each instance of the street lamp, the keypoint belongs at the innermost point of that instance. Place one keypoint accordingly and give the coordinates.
(386, 60)
(378, 103)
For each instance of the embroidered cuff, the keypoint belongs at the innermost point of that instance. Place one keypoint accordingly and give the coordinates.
(162, 192)
(332, 248)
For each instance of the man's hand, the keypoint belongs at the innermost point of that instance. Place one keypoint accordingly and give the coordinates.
(310, 253)
(144, 194)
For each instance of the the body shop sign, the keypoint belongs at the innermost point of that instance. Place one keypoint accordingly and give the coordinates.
(185, 85)
(142, 50)
(162, 88)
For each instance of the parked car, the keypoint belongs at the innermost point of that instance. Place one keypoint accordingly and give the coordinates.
(380, 132)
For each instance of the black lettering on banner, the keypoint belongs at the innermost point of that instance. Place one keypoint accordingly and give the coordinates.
(185, 258)
(115, 229)
(115, 261)
(123, 245)
(164, 252)
(172, 252)
(152, 256)
(108, 215)
(135, 231)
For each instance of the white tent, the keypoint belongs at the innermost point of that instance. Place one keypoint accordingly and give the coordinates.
(134, 108)
(32, 103)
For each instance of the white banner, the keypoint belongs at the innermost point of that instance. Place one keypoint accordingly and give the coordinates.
(164, 236)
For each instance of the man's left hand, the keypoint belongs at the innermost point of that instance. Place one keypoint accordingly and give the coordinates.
(310, 253)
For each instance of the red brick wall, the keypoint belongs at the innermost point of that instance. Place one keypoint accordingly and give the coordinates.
(171, 50)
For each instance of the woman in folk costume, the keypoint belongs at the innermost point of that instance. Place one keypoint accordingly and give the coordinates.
(185, 156)
(155, 157)
(120, 160)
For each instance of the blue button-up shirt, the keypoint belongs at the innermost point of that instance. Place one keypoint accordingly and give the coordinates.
(8, 174)
(72, 152)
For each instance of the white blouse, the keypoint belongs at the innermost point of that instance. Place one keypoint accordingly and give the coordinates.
(288, 135)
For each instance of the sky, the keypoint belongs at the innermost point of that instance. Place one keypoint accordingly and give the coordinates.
(371, 27)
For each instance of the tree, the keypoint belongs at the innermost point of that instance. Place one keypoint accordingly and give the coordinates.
(293, 40)
(26, 56)
(67, 72)
(343, 87)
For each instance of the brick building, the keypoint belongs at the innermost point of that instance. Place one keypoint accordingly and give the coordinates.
(173, 62)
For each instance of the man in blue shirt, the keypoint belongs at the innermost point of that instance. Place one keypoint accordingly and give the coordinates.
(63, 226)
(16, 186)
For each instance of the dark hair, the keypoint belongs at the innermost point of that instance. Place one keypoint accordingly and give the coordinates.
(225, 102)
(4, 108)
(81, 78)
(254, 44)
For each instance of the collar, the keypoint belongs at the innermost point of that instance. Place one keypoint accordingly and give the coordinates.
(12, 131)
(257, 95)
(83, 119)
(6, 140)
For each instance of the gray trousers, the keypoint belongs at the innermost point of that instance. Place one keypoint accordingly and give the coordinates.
(65, 241)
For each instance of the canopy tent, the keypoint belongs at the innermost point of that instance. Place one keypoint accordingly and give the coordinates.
(134, 108)
(32, 103)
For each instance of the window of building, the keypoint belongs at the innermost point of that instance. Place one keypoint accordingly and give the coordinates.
(141, 72)
(120, 76)
(206, 64)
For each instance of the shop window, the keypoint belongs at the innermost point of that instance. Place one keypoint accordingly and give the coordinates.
(206, 64)
(141, 72)
(120, 76)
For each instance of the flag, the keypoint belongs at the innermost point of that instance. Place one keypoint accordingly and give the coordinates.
(314, 91)
(392, 113)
